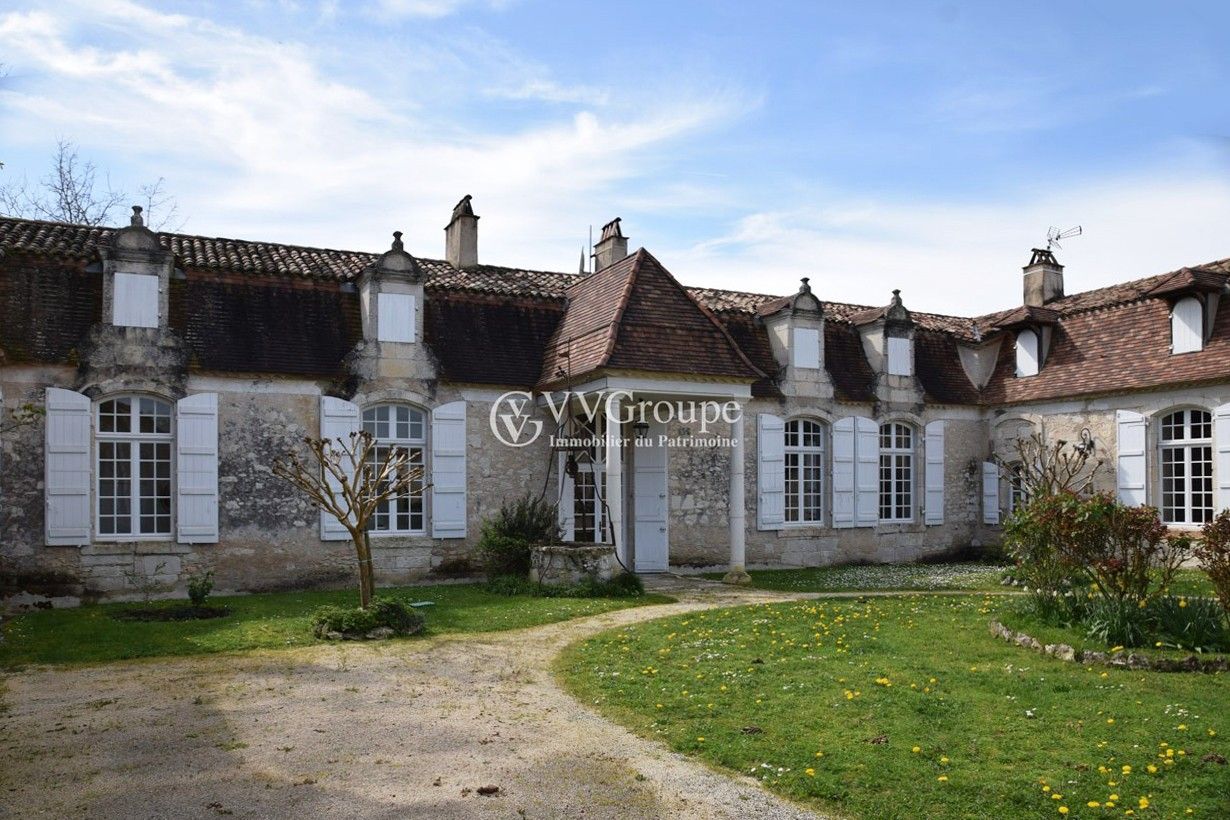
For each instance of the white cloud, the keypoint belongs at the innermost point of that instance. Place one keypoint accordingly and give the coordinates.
(966, 259)
(259, 138)
(431, 8)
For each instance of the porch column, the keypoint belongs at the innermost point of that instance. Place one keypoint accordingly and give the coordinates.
(737, 514)
(613, 492)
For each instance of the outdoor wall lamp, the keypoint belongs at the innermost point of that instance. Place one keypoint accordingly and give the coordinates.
(1085, 446)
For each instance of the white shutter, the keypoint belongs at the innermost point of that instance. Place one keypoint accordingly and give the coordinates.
(1221, 440)
(843, 473)
(395, 315)
(770, 472)
(196, 468)
(1130, 474)
(990, 492)
(806, 348)
(1187, 326)
(67, 468)
(448, 470)
(134, 300)
(339, 419)
(866, 472)
(899, 356)
(1026, 353)
(934, 472)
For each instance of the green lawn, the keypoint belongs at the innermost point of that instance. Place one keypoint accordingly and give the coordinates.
(90, 634)
(852, 577)
(907, 707)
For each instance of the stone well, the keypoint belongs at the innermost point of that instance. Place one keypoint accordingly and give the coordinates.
(572, 563)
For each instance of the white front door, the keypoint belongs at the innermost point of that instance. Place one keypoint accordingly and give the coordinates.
(650, 501)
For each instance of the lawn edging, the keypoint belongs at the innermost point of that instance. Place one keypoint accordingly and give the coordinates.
(1119, 660)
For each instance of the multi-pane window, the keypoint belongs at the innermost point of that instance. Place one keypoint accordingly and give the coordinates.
(896, 472)
(1187, 467)
(402, 428)
(1017, 495)
(586, 473)
(134, 467)
(804, 471)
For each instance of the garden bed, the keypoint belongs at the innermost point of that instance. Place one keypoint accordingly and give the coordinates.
(170, 613)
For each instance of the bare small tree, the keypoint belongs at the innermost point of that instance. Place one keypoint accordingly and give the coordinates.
(21, 416)
(1046, 469)
(349, 480)
(72, 192)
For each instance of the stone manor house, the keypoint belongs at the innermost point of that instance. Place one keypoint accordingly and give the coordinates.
(173, 370)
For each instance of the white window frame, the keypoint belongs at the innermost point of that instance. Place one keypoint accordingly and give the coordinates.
(796, 514)
(411, 443)
(134, 438)
(591, 464)
(1014, 481)
(898, 493)
(1190, 451)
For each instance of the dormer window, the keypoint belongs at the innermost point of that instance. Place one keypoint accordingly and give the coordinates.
(1187, 326)
(134, 300)
(1027, 353)
(805, 353)
(900, 362)
(395, 312)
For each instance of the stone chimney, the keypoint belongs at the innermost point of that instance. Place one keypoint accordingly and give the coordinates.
(461, 236)
(612, 247)
(1043, 278)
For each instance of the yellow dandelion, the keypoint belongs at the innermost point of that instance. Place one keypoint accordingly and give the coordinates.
(916, 749)
(1143, 802)
(942, 778)
(1127, 769)
(1063, 809)
(1093, 804)
(1151, 769)
(810, 772)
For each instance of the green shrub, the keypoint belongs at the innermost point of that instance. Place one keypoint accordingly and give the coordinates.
(394, 613)
(199, 587)
(508, 536)
(1189, 623)
(1117, 621)
(1213, 551)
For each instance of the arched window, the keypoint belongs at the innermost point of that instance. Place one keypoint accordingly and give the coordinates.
(1187, 326)
(134, 467)
(402, 427)
(804, 471)
(1187, 467)
(896, 472)
(1027, 353)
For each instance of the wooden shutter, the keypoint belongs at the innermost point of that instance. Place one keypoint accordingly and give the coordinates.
(448, 470)
(770, 472)
(899, 356)
(1221, 442)
(339, 419)
(933, 442)
(1130, 470)
(1026, 353)
(395, 315)
(990, 492)
(196, 468)
(866, 472)
(1187, 326)
(67, 468)
(843, 473)
(134, 300)
(806, 350)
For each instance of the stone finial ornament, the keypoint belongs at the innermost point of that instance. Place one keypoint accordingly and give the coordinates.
(137, 221)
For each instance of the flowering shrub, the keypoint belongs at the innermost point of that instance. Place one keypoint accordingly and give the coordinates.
(1030, 539)
(1214, 554)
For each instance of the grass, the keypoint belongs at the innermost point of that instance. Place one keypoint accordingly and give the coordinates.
(904, 707)
(89, 634)
(885, 577)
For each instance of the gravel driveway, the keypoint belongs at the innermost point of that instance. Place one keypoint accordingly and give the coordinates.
(404, 729)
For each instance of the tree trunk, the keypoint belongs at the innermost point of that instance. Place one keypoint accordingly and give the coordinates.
(367, 577)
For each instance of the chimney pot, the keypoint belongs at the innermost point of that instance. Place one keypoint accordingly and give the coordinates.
(612, 247)
(461, 236)
(1043, 278)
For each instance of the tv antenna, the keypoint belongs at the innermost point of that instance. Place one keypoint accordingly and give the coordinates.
(1054, 236)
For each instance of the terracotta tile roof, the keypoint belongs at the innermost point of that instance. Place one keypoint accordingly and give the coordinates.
(633, 315)
(853, 378)
(1027, 315)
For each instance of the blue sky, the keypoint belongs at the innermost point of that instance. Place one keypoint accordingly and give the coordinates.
(924, 146)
